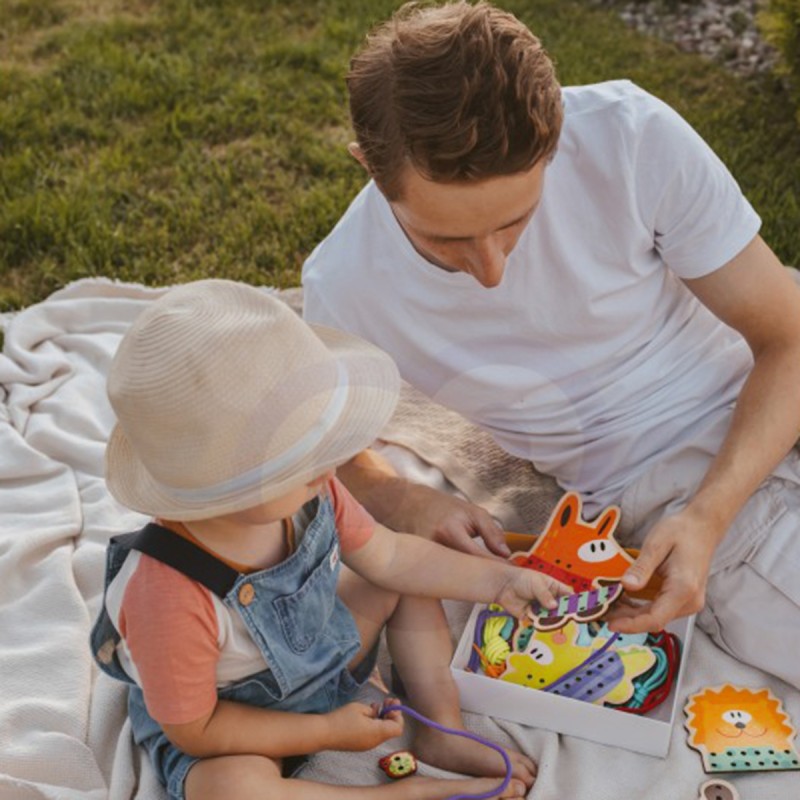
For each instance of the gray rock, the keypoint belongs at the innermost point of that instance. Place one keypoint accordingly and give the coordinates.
(721, 30)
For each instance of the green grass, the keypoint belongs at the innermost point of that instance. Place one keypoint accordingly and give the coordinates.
(165, 141)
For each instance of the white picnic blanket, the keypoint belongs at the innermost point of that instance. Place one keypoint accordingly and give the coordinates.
(63, 729)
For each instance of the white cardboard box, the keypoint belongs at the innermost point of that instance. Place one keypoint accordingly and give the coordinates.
(648, 734)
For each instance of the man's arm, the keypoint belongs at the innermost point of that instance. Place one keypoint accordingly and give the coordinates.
(755, 295)
(405, 506)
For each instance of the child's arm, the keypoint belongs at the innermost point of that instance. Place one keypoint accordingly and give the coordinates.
(176, 659)
(411, 565)
(235, 728)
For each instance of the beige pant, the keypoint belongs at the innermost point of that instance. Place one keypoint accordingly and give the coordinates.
(753, 596)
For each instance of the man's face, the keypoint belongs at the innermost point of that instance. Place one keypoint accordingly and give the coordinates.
(468, 227)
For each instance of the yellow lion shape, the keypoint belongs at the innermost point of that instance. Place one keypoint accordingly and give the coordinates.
(727, 719)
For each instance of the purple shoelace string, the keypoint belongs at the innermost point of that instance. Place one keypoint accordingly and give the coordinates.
(466, 735)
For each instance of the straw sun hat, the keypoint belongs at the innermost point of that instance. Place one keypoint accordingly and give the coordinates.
(226, 399)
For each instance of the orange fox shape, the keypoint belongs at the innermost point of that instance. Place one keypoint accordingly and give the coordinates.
(582, 555)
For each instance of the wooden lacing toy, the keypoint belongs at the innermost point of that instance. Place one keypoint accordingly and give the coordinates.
(464, 734)
(718, 790)
(654, 687)
(738, 729)
(635, 677)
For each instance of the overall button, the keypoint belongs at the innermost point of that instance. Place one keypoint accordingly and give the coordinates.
(247, 594)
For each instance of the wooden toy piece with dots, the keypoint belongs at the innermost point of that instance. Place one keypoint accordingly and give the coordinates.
(737, 729)
(718, 790)
(399, 764)
(581, 607)
(580, 554)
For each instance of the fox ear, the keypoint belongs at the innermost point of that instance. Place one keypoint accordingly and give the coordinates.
(608, 521)
(568, 510)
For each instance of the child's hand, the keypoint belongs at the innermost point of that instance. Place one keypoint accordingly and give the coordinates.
(526, 585)
(357, 726)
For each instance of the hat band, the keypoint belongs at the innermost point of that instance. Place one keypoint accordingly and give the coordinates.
(262, 473)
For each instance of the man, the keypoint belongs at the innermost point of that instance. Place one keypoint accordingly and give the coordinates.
(576, 271)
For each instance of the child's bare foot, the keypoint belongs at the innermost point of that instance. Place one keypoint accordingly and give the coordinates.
(438, 789)
(458, 754)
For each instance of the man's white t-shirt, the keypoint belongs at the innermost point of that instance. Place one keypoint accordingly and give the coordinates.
(592, 358)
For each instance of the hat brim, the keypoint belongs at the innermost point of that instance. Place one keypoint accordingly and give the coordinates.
(373, 387)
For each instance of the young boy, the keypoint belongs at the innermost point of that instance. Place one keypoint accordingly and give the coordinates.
(243, 635)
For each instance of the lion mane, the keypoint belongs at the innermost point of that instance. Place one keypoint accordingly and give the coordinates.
(709, 729)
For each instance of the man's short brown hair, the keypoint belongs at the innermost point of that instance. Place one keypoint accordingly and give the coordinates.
(461, 92)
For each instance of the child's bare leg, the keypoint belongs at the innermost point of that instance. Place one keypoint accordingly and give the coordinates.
(258, 777)
(419, 642)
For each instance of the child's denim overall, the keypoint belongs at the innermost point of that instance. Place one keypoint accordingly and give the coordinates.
(291, 610)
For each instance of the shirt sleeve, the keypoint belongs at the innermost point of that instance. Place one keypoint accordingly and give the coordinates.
(354, 523)
(699, 216)
(171, 631)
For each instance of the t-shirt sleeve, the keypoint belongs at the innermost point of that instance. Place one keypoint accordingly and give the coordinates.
(698, 215)
(171, 631)
(317, 308)
(354, 523)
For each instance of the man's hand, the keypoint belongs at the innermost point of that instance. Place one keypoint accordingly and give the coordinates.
(460, 525)
(358, 727)
(402, 505)
(680, 549)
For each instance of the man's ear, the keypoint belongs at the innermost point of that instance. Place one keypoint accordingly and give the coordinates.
(358, 154)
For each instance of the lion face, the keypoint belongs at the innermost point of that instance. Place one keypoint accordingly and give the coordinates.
(740, 730)
(729, 717)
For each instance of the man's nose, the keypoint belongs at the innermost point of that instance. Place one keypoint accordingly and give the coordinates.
(489, 260)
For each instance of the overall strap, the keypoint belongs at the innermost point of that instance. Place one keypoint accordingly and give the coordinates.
(184, 556)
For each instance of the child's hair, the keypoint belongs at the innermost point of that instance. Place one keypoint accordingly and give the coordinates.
(461, 92)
